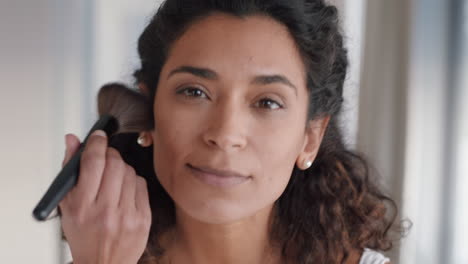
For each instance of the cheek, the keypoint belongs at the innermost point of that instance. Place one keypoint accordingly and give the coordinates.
(278, 146)
(277, 152)
(171, 143)
(164, 151)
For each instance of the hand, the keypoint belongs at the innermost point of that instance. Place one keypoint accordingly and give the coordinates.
(106, 217)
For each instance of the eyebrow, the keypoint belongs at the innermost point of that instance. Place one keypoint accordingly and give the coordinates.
(209, 74)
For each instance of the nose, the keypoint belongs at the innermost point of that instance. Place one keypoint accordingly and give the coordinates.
(226, 129)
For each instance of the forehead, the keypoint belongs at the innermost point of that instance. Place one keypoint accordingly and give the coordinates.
(229, 45)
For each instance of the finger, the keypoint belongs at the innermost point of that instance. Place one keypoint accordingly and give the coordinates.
(127, 196)
(141, 196)
(112, 178)
(72, 143)
(92, 164)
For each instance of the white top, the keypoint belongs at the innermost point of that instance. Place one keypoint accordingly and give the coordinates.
(370, 256)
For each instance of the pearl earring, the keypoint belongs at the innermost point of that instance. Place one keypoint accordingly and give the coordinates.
(141, 140)
(307, 164)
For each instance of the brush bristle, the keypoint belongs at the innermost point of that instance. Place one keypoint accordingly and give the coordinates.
(131, 108)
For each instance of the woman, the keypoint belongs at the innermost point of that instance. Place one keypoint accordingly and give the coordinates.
(246, 163)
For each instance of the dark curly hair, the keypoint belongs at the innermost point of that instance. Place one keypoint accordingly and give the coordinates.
(327, 211)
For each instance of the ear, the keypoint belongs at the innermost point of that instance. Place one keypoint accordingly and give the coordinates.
(315, 130)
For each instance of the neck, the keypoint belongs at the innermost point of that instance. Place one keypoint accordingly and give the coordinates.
(243, 241)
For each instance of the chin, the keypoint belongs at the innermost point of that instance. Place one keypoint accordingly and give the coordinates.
(217, 212)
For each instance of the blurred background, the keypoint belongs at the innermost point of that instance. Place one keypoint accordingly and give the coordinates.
(406, 108)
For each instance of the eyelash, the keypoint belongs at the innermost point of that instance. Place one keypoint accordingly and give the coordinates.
(183, 91)
(193, 89)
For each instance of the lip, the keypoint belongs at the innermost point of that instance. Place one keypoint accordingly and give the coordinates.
(217, 177)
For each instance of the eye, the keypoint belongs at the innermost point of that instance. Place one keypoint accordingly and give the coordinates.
(269, 104)
(192, 92)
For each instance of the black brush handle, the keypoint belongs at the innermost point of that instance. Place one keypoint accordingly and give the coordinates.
(68, 176)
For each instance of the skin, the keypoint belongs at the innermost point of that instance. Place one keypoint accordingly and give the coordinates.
(230, 122)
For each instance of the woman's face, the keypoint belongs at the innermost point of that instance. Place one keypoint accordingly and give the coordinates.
(231, 97)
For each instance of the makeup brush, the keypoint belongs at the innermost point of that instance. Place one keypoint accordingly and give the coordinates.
(121, 110)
